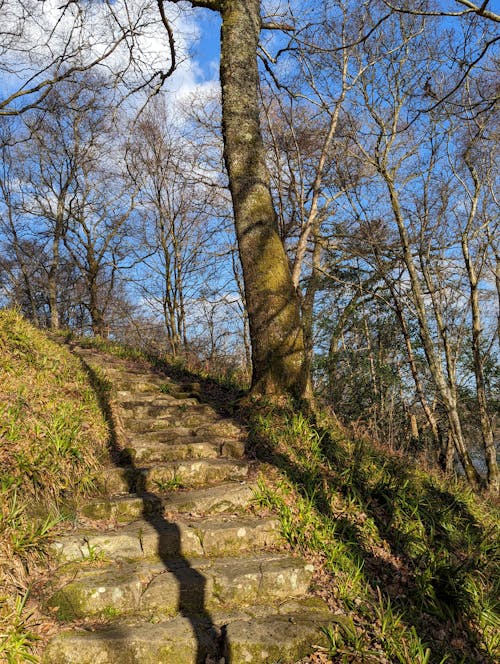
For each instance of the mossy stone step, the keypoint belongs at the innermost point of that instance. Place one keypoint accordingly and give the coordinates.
(118, 480)
(170, 475)
(272, 639)
(157, 538)
(190, 473)
(223, 430)
(167, 588)
(165, 407)
(164, 429)
(280, 637)
(168, 419)
(129, 507)
(230, 496)
(178, 641)
(140, 451)
(133, 388)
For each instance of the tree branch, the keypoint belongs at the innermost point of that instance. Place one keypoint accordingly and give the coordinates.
(171, 41)
(271, 25)
(215, 5)
(471, 9)
(482, 11)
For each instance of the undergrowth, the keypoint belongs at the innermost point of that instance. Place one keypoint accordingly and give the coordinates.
(52, 439)
(409, 562)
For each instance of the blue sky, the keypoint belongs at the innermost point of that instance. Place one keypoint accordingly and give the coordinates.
(207, 50)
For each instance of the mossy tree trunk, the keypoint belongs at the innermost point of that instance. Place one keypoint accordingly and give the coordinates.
(278, 353)
(279, 359)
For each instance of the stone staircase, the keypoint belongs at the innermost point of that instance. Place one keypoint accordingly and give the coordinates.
(172, 564)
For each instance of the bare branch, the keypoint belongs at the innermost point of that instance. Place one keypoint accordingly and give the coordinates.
(171, 41)
(271, 25)
(471, 9)
(482, 11)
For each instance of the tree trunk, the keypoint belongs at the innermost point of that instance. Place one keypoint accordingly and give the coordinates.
(278, 353)
(52, 282)
(477, 328)
(446, 393)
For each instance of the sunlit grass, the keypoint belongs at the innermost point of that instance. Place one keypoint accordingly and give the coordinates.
(53, 439)
(411, 560)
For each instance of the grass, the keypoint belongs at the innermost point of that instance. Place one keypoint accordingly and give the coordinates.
(409, 561)
(53, 438)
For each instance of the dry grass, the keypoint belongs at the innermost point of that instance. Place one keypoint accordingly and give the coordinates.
(52, 439)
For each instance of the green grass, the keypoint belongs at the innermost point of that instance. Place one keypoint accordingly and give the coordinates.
(411, 561)
(53, 438)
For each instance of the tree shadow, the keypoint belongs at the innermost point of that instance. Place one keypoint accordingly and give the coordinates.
(192, 584)
(430, 573)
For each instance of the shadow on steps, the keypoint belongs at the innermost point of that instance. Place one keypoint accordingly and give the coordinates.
(207, 640)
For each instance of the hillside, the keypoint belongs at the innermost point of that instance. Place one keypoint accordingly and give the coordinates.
(407, 563)
(53, 437)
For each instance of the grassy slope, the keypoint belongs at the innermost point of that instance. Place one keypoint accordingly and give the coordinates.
(408, 562)
(52, 437)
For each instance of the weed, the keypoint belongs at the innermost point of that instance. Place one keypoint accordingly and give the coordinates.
(16, 635)
(92, 553)
(172, 484)
(110, 612)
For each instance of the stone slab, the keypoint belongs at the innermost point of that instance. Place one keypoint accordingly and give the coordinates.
(158, 538)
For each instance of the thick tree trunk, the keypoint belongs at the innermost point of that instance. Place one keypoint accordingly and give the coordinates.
(278, 353)
(95, 310)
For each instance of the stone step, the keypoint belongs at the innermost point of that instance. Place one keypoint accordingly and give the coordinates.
(161, 478)
(140, 451)
(167, 432)
(157, 538)
(273, 639)
(165, 477)
(176, 586)
(230, 496)
(118, 480)
(178, 641)
(174, 417)
(165, 407)
(127, 388)
(241, 639)
(122, 508)
(226, 497)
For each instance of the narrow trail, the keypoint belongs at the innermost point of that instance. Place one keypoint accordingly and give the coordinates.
(173, 564)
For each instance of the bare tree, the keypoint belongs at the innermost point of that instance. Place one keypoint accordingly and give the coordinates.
(176, 206)
(476, 169)
(45, 43)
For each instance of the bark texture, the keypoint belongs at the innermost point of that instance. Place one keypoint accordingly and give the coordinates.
(278, 354)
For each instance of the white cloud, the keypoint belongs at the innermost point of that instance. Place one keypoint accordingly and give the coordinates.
(127, 34)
